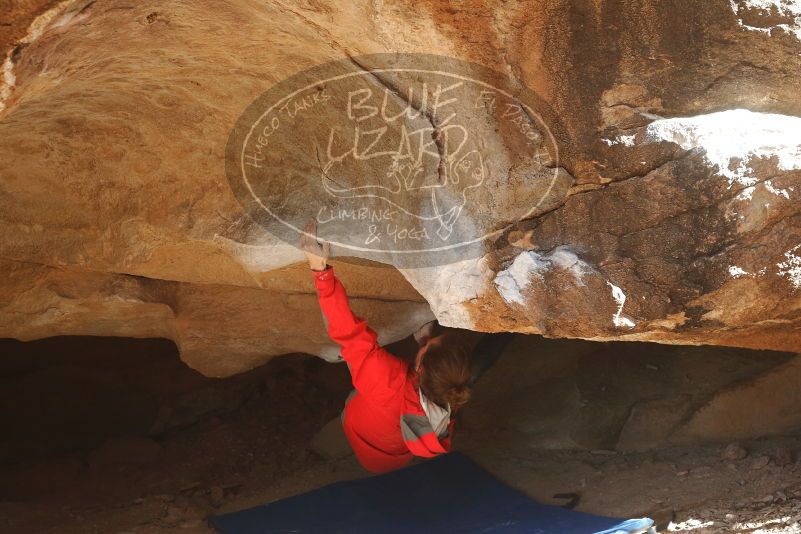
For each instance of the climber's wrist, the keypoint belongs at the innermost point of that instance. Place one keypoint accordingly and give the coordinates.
(318, 266)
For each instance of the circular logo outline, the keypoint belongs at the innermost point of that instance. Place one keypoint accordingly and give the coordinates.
(533, 114)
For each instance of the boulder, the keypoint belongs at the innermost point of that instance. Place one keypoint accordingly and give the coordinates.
(673, 213)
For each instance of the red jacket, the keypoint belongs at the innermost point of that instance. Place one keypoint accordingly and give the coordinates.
(383, 418)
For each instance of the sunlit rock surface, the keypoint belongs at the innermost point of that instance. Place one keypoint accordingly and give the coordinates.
(680, 135)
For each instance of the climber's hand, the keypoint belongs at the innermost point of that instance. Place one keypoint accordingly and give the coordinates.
(316, 253)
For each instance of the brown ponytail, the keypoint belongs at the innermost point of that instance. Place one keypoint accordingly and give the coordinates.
(445, 375)
(457, 396)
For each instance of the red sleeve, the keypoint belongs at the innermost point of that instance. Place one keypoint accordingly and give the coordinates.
(375, 372)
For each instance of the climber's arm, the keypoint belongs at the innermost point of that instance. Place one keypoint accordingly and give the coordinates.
(374, 371)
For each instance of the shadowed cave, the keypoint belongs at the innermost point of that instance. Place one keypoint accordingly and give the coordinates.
(117, 433)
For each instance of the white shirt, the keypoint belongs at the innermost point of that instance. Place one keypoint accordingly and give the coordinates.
(438, 416)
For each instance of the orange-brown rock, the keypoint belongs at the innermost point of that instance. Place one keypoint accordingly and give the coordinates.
(677, 219)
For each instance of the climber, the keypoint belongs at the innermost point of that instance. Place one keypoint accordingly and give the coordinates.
(399, 409)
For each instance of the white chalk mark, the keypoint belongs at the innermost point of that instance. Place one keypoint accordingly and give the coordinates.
(566, 259)
(792, 267)
(737, 272)
(512, 281)
(788, 9)
(732, 139)
(449, 288)
(626, 140)
(776, 191)
(620, 298)
(746, 194)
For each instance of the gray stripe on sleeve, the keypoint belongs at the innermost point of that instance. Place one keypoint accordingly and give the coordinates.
(414, 426)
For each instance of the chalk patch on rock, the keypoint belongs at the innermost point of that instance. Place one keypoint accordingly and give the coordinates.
(566, 259)
(792, 267)
(733, 138)
(746, 194)
(447, 287)
(625, 140)
(790, 9)
(776, 191)
(7, 81)
(620, 298)
(737, 272)
(261, 257)
(512, 281)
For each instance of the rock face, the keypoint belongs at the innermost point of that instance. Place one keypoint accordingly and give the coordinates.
(622, 396)
(679, 138)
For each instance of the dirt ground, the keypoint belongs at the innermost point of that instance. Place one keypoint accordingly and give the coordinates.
(259, 452)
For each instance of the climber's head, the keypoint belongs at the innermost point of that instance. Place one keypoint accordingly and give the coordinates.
(443, 366)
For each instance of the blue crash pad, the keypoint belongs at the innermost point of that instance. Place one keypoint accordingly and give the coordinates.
(447, 494)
